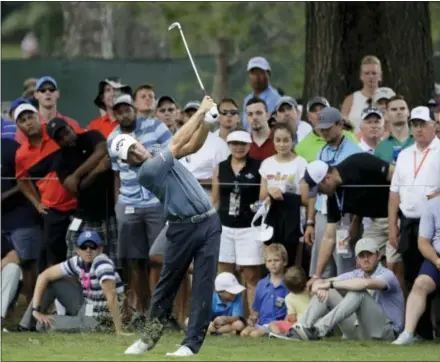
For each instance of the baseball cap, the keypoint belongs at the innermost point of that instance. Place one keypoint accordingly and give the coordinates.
(228, 282)
(366, 244)
(286, 100)
(315, 173)
(258, 62)
(370, 111)
(123, 99)
(86, 236)
(24, 107)
(166, 98)
(54, 125)
(383, 93)
(16, 102)
(431, 103)
(328, 117)
(121, 144)
(46, 79)
(317, 100)
(422, 113)
(239, 136)
(191, 105)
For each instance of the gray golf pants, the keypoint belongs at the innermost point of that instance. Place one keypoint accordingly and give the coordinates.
(69, 294)
(357, 314)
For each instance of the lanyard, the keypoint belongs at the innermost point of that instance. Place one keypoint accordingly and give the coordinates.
(340, 202)
(338, 150)
(86, 280)
(417, 168)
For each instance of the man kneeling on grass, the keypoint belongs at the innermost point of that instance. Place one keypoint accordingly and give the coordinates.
(90, 304)
(372, 308)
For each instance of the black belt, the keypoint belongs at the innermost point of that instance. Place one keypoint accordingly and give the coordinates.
(193, 219)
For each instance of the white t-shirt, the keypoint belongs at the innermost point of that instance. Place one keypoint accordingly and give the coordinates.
(202, 163)
(285, 176)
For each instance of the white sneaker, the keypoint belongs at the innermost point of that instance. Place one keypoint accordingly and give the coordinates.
(183, 351)
(404, 338)
(137, 347)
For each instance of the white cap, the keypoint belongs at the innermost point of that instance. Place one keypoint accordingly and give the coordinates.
(121, 144)
(123, 99)
(383, 93)
(228, 282)
(366, 244)
(258, 62)
(422, 113)
(24, 107)
(239, 136)
(315, 173)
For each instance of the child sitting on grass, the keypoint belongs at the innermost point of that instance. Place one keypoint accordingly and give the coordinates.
(297, 300)
(269, 304)
(227, 306)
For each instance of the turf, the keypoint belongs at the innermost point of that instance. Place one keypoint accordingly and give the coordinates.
(101, 347)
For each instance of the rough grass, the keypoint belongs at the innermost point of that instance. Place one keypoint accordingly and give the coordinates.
(102, 347)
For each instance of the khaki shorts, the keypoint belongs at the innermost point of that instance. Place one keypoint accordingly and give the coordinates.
(377, 229)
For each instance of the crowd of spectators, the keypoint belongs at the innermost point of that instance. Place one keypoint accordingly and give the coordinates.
(329, 221)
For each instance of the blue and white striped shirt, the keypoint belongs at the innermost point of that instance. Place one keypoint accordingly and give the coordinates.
(153, 134)
(102, 269)
(9, 129)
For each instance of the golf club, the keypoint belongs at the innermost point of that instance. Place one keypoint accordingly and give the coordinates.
(213, 112)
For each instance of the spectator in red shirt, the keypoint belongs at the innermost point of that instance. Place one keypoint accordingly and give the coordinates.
(108, 91)
(47, 95)
(257, 116)
(34, 166)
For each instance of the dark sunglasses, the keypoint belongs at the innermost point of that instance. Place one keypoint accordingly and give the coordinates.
(88, 246)
(170, 110)
(44, 90)
(232, 112)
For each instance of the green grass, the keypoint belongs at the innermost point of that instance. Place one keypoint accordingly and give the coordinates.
(101, 347)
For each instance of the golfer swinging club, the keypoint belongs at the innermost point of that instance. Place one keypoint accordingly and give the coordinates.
(193, 233)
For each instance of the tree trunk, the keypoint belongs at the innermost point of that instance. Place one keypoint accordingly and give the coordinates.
(88, 29)
(340, 34)
(222, 69)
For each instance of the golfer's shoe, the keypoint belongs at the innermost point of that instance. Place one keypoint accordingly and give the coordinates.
(305, 334)
(137, 347)
(405, 338)
(183, 351)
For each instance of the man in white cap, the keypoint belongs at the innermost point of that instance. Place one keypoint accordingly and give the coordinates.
(372, 308)
(381, 97)
(259, 79)
(194, 229)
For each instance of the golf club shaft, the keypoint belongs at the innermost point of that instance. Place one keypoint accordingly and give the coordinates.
(191, 60)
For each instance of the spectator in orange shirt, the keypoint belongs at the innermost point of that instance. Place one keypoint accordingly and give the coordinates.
(34, 166)
(47, 95)
(108, 90)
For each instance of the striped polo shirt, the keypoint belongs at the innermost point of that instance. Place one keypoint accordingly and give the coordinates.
(102, 269)
(153, 134)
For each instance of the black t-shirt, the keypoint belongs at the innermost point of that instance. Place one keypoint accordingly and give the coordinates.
(95, 202)
(245, 186)
(356, 171)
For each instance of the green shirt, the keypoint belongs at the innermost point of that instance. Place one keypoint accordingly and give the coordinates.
(309, 147)
(385, 148)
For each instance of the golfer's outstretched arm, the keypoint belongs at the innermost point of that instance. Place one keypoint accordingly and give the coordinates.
(188, 130)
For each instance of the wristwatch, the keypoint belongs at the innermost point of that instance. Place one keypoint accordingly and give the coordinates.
(310, 223)
(36, 309)
(331, 286)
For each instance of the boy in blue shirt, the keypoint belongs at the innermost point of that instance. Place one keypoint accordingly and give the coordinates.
(227, 306)
(269, 304)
